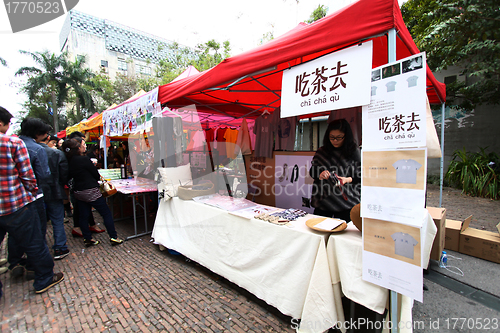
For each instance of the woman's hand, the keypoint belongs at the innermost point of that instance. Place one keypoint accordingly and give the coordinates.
(345, 180)
(324, 175)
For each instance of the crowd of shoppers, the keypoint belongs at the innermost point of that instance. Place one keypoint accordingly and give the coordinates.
(37, 171)
(19, 216)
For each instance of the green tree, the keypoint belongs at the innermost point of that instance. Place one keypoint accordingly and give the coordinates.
(104, 95)
(147, 83)
(317, 14)
(463, 33)
(268, 36)
(210, 54)
(125, 87)
(40, 108)
(171, 67)
(60, 79)
(44, 83)
(205, 56)
(76, 86)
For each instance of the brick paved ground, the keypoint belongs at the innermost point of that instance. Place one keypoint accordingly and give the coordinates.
(133, 287)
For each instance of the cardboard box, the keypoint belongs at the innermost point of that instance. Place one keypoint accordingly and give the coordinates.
(480, 244)
(452, 234)
(439, 217)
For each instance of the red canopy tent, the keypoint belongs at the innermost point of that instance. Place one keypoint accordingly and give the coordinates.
(61, 134)
(249, 82)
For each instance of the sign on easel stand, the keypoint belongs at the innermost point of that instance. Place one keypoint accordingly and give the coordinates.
(394, 173)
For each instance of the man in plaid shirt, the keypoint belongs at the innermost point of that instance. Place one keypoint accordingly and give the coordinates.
(18, 216)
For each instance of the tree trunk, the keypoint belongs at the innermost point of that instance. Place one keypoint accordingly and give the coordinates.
(54, 113)
(78, 112)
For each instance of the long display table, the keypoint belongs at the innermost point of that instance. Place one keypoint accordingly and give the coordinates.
(289, 267)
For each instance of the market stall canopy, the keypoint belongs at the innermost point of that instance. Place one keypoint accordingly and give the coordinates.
(92, 127)
(61, 134)
(191, 70)
(250, 82)
(71, 129)
(94, 121)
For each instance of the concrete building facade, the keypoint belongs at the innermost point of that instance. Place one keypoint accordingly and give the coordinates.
(113, 48)
(469, 129)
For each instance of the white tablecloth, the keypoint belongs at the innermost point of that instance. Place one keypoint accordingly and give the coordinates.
(285, 266)
(290, 268)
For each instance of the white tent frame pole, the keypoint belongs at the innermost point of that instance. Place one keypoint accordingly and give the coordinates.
(441, 166)
(391, 51)
(391, 44)
(105, 153)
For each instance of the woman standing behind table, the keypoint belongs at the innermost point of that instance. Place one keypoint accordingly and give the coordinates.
(86, 190)
(339, 156)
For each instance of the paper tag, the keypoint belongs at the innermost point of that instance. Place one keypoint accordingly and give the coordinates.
(329, 224)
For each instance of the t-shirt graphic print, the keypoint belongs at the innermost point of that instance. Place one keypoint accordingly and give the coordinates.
(404, 244)
(406, 171)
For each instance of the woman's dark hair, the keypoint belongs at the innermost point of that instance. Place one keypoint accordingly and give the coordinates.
(32, 127)
(71, 147)
(349, 146)
(76, 134)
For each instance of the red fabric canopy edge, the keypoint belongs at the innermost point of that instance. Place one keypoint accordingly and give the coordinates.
(362, 20)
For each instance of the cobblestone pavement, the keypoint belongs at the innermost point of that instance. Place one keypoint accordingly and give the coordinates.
(133, 287)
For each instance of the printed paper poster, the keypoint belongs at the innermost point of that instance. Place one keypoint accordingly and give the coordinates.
(392, 256)
(293, 185)
(393, 184)
(396, 115)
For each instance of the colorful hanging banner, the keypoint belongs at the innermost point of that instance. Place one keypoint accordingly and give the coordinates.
(133, 116)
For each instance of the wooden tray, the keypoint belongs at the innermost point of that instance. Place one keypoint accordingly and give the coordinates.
(312, 222)
(187, 193)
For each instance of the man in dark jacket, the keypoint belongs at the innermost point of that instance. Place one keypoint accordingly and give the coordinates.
(32, 129)
(54, 196)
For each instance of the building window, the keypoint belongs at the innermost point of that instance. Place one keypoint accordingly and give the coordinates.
(145, 70)
(104, 63)
(450, 79)
(122, 64)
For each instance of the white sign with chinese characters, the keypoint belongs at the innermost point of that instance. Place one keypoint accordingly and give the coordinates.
(396, 115)
(335, 81)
